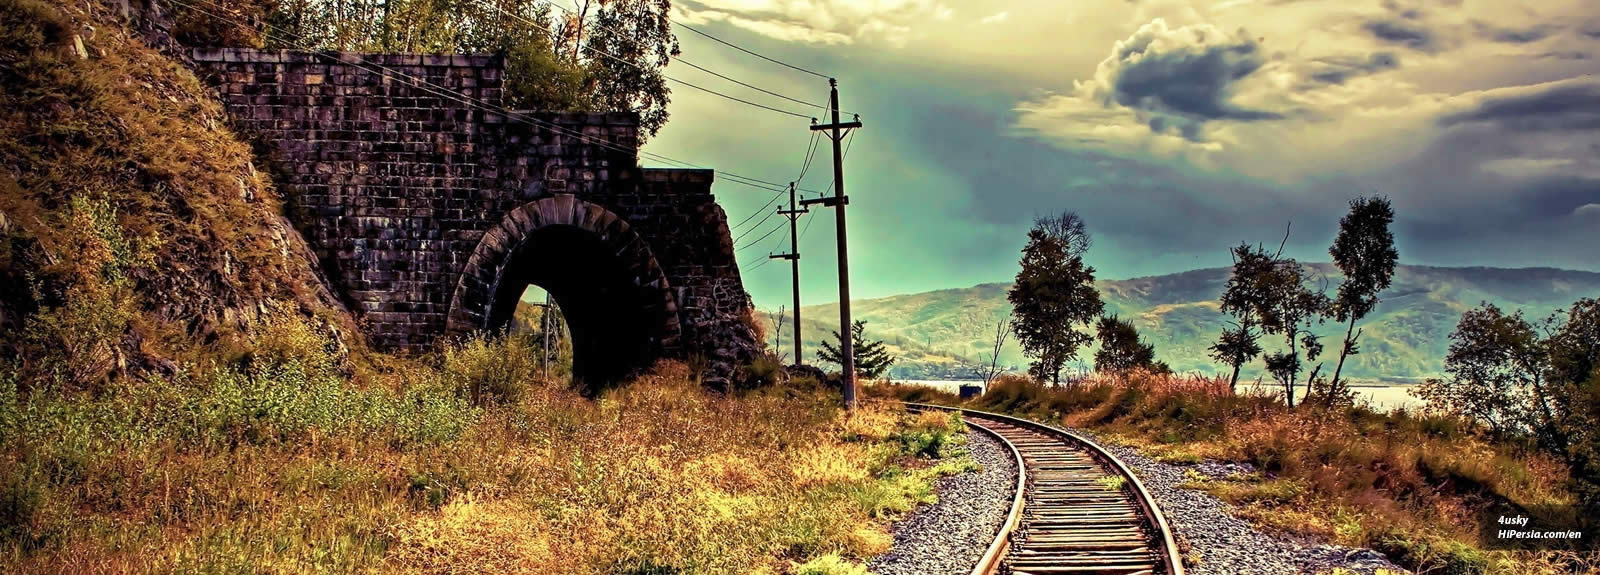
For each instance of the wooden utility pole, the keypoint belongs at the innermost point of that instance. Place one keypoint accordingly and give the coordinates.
(835, 132)
(794, 267)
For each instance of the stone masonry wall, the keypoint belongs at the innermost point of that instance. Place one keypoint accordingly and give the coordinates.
(396, 164)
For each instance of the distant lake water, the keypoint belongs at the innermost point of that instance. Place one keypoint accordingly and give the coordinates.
(1380, 397)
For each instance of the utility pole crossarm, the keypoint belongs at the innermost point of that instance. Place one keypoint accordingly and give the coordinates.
(826, 201)
(836, 125)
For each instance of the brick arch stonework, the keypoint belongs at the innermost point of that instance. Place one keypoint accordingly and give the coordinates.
(491, 270)
(425, 212)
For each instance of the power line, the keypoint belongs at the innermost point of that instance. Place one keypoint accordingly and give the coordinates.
(758, 240)
(481, 104)
(757, 212)
(756, 88)
(742, 49)
(642, 69)
(811, 153)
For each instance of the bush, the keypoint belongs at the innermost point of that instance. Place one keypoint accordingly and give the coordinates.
(491, 369)
(830, 564)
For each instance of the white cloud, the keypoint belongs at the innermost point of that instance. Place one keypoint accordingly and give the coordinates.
(995, 18)
(1587, 211)
(819, 21)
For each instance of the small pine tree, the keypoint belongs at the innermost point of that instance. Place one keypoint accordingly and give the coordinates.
(871, 359)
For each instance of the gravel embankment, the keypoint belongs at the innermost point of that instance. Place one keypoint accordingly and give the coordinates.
(950, 536)
(1225, 544)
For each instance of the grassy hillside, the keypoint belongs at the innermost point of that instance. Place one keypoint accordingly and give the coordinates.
(1405, 338)
(135, 231)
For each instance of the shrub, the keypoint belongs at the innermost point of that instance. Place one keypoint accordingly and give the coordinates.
(766, 370)
(830, 564)
(491, 369)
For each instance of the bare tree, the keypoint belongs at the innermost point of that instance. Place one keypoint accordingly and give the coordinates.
(1000, 335)
(777, 331)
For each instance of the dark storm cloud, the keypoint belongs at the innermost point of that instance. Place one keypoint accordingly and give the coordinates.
(1570, 106)
(1403, 32)
(1193, 80)
(1338, 70)
(1566, 55)
(1511, 35)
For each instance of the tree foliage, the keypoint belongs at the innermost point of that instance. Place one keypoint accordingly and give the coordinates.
(1290, 311)
(1122, 350)
(1053, 294)
(1241, 298)
(598, 56)
(1271, 293)
(1364, 251)
(871, 359)
(1538, 379)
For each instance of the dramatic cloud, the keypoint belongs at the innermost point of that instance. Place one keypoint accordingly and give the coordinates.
(1408, 33)
(817, 21)
(1509, 35)
(1336, 69)
(1570, 105)
(1159, 88)
(995, 18)
(1187, 72)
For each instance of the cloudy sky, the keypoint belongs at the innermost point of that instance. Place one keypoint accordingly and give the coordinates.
(1176, 128)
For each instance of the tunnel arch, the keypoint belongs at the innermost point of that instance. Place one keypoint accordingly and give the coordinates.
(619, 307)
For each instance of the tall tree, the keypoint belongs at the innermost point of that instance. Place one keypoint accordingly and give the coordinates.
(871, 359)
(1053, 294)
(1242, 298)
(1364, 251)
(1122, 350)
(1290, 310)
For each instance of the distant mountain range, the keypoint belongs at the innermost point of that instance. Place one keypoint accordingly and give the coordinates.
(942, 334)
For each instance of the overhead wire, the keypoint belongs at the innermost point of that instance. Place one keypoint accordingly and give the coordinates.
(752, 53)
(480, 104)
(642, 69)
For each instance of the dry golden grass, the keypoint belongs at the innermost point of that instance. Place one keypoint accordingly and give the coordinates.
(280, 464)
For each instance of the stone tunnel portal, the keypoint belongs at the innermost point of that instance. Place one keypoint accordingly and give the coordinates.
(614, 322)
(612, 292)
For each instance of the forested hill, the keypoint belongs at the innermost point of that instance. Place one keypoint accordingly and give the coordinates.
(1405, 338)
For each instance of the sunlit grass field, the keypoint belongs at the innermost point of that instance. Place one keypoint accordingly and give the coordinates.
(280, 461)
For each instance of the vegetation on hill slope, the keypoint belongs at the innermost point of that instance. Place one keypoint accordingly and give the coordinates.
(1404, 338)
(137, 232)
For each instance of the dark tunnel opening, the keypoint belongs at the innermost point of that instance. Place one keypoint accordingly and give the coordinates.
(614, 319)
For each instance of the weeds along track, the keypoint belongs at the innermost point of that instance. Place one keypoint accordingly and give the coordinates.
(1077, 510)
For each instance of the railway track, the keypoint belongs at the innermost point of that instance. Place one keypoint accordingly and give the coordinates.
(1078, 510)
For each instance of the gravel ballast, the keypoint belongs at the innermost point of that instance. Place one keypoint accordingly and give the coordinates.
(950, 536)
(1225, 544)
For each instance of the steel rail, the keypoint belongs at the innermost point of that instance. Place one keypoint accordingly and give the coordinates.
(1171, 563)
(996, 552)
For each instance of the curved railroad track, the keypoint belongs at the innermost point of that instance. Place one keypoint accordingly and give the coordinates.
(1078, 510)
